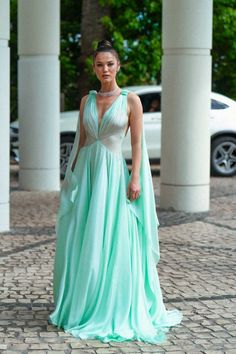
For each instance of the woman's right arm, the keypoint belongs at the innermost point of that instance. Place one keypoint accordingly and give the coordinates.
(82, 136)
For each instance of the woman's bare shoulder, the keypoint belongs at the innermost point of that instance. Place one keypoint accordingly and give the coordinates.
(134, 101)
(82, 101)
(133, 97)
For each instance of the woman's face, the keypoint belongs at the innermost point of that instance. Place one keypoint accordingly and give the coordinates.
(105, 66)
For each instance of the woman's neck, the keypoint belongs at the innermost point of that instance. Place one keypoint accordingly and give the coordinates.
(109, 87)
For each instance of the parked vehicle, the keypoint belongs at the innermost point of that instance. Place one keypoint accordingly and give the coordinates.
(222, 130)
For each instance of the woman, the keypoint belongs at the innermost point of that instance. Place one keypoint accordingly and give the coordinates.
(105, 280)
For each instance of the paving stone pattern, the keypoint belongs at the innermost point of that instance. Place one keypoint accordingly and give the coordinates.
(196, 270)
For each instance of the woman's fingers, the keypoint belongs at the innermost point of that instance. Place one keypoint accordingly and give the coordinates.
(132, 194)
(136, 194)
(133, 191)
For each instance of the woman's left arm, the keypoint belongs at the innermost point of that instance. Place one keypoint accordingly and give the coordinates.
(135, 122)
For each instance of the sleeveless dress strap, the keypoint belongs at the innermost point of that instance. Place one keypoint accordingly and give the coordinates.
(92, 92)
(124, 92)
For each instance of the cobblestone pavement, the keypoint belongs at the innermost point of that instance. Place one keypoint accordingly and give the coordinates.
(196, 271)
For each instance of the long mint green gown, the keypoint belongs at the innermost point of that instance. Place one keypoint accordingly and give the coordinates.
(105, 280)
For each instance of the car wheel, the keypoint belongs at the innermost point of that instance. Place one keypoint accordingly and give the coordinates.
(223, 156)
(66, 145)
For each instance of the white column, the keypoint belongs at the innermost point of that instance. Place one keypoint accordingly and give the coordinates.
(186, 86)
(38, 94)
(4, 114)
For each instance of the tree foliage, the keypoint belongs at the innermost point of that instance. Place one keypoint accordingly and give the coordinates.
(92, 31)
(70, 50)
(135, 27)
(224, 47)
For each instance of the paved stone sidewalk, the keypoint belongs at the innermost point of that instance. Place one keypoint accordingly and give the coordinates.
(196, 271)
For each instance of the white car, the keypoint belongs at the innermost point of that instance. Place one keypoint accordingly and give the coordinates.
(222, 130)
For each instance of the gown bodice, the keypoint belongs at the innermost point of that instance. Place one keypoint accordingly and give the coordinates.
(111, 130)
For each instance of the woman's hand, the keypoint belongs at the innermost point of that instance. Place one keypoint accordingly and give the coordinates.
(133, 191)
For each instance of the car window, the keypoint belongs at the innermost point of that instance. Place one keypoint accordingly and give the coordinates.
(218, 105)
(151, 102)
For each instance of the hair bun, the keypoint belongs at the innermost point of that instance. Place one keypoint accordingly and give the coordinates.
(104, 44)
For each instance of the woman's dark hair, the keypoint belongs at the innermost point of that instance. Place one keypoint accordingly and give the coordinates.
(105, 46)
